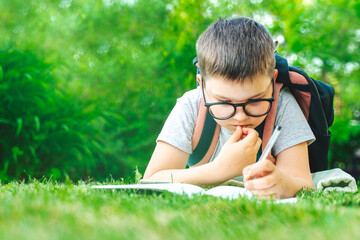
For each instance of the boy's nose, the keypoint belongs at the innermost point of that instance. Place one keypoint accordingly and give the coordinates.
(240, 114)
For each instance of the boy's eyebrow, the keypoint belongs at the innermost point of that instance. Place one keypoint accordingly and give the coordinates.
(260, 94)
(252, 97)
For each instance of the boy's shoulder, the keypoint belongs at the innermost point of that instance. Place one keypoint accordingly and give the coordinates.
(286, 96)
(285, 92)
(192, 94)
(287, 104)
(191, 97)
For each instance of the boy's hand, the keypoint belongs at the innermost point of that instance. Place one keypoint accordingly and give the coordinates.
(239, 151)
(264, 179)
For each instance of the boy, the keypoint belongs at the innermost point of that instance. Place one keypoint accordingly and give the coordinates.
(237, 66)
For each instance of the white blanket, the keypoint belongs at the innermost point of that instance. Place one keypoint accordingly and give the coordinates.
(334, 180)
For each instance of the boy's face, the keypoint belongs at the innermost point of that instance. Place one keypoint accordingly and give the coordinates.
(218, 90)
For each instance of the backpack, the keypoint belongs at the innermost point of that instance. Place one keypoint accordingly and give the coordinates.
(314, 97)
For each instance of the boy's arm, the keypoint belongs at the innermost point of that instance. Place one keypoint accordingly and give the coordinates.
(168, 163)
(286, 178)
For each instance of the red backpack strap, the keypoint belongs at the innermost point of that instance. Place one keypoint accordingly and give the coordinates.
(270, 119)
(303, 98)
(198, 131)
(211, 149)
(199, 126)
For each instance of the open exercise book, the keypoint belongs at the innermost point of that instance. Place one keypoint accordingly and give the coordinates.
(230, 190)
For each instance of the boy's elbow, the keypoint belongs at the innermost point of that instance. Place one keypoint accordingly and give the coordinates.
(151, 174)
(310, 185)
(147, 175)
(307, 185)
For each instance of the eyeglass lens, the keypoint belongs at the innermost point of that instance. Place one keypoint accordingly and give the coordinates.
(257, 108)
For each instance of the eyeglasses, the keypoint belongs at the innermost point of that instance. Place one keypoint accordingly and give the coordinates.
(252, 108)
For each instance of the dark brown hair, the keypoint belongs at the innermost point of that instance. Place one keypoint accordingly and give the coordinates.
(235, 49)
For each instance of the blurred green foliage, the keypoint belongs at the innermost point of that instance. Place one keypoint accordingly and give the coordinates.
(85, 86)
(44, 130)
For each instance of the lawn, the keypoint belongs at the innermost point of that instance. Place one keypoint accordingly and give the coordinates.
(52, 210)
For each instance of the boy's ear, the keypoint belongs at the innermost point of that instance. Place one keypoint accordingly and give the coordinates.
(275, 74)
(198, 78)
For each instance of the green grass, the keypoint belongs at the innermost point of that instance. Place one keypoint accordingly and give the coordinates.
(51, 210)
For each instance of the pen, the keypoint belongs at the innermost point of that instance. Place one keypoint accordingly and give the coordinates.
(271, 143)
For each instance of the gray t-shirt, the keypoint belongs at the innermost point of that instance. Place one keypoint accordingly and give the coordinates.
(179, 126)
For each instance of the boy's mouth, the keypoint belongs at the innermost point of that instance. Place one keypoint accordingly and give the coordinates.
(242, 126)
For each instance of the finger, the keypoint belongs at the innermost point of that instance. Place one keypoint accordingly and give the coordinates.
(243, 136)
(262, 168)
(244, 133)
(247, 173)
(246, 130)
(251, 136)
(262, 195)
(236, 136)
(266, 193)
(258, 143)
(271, 191)
(260, 183)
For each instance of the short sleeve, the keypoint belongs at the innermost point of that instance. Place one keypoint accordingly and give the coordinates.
(179, 126)
(295, 128)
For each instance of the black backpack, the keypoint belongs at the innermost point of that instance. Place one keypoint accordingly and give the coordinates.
(315, 98)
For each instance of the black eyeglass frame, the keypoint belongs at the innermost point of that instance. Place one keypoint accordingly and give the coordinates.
(270, 100)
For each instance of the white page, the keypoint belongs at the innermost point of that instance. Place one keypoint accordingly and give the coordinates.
(286, 200)
(228, 192)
